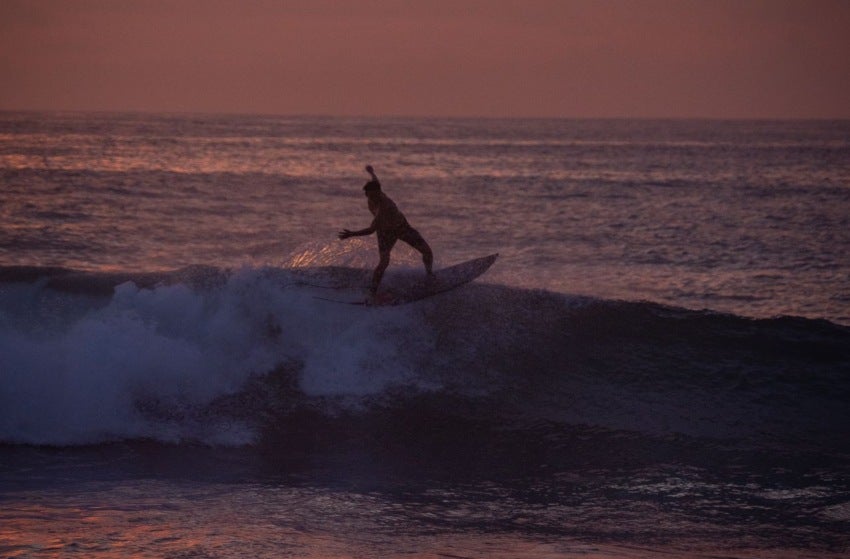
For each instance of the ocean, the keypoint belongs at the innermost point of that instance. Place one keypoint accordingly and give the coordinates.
(657, 365)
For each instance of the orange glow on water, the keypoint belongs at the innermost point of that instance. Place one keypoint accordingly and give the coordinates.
(218, 527)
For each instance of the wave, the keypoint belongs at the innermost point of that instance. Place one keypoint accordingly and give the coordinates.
(236, 357)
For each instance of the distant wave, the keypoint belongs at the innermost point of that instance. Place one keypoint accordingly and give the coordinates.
(245, 356)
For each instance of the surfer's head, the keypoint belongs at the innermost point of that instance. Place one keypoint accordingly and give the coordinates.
(372, 186)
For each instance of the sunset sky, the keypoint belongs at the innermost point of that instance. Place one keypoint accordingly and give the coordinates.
(497, 58)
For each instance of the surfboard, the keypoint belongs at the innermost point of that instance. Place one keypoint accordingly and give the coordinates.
(443, 280)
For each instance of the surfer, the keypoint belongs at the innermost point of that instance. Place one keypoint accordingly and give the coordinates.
(390, 225)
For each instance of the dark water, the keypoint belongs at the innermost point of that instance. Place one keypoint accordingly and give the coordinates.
(658, 364)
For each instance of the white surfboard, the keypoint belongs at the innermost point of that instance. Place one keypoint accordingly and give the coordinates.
(443, 280)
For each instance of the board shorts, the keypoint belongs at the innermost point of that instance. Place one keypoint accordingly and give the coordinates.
(387, 239)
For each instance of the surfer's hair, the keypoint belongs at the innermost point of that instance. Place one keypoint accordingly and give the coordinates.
(372, 185)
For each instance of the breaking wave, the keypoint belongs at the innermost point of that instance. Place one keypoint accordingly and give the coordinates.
(235, 357)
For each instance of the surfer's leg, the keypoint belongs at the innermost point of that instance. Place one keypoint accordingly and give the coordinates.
(379, 271)
(386, 242)
(414, 239)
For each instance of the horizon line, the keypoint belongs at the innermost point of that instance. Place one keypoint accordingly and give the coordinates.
(422, 116)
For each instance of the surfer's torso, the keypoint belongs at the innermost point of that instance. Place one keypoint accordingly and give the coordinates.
(388, 218)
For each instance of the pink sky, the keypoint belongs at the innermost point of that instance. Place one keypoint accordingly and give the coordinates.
(499, 58)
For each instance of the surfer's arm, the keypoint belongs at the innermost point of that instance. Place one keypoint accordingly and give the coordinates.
(345, 233)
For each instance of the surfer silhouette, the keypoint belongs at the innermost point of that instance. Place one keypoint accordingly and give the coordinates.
(390, 225)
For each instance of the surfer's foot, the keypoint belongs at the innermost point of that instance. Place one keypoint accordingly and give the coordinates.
(372, 296)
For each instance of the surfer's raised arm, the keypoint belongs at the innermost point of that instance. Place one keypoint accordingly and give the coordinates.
(371, 171)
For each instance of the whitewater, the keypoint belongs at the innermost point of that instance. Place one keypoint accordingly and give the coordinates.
(658, 363)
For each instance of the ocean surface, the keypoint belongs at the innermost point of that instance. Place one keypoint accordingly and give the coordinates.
(657, 365)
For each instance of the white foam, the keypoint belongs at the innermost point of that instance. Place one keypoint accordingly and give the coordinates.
(81, 379)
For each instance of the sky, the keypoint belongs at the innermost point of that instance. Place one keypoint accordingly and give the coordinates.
(491, 58)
